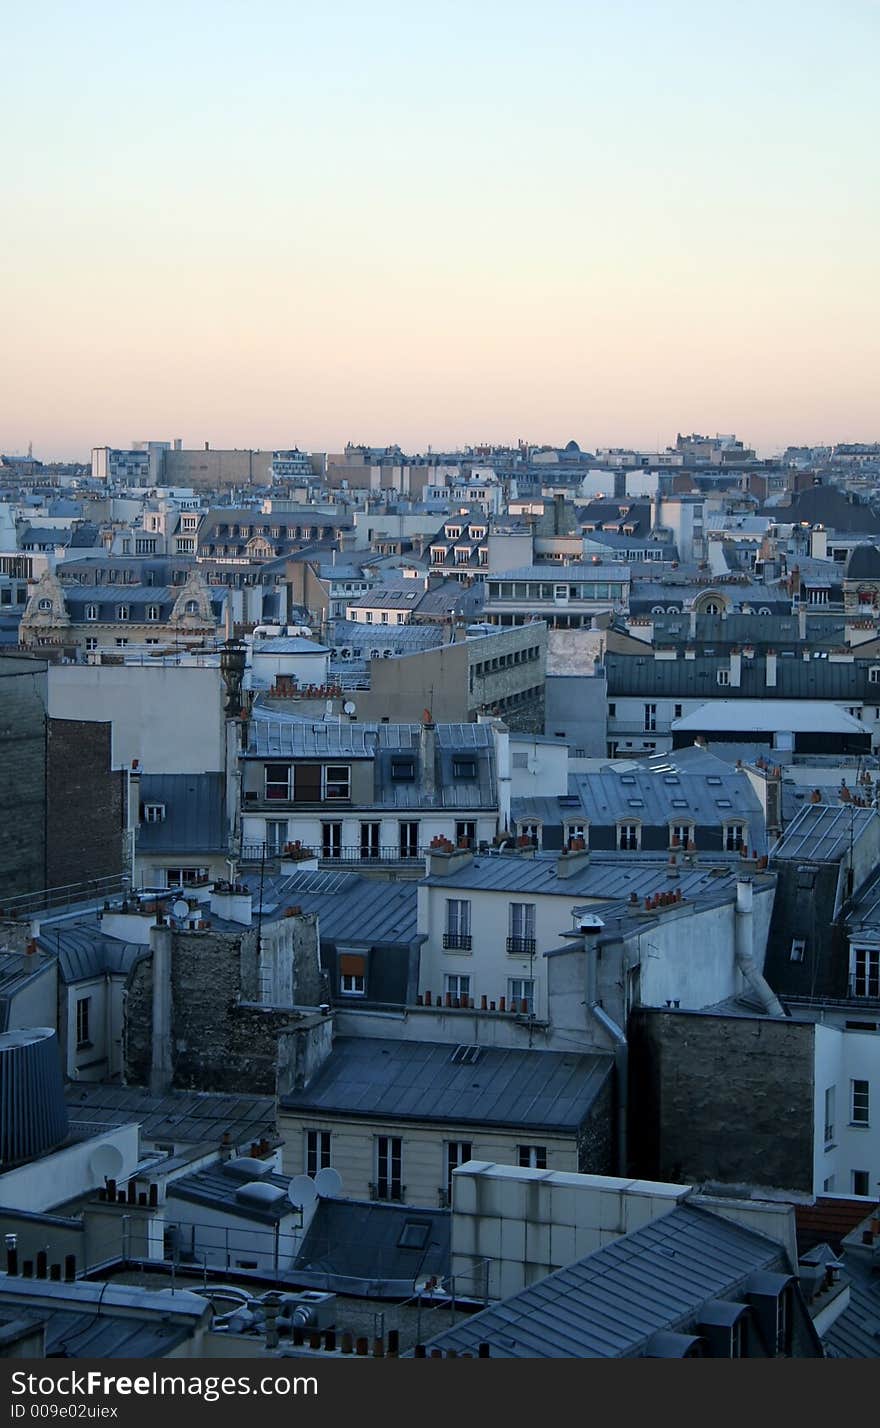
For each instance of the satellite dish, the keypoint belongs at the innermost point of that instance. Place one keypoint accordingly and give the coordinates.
(349, 706)
(105, 1162)
(302, 1191)
(328, 1182)
(180, 907)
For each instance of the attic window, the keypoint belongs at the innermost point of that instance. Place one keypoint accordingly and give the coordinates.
(627, 778)
(464, 768)
(465, 1055)
(414, 1235)
(671, 778)
(154, 813)
(679, 803)
(403, 770)
(714, 779)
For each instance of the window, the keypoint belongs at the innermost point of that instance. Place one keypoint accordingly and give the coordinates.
(734, 837)
(676, 711)
(532, 1156)
(331, 840)
(861, 1182)
(577, 830)
(628, 836)
(464, 768)
(724, 676)
(680, 834)
(154, 812)
(278, 781)
(650, 718)
(336, 781)
(370, 847)
(82, 1022)
(409, 840)
(456, 1153)
(521, 994)
(457, 987)
(457, 936)
(403, 770)
(185, 877)
(389, 1158)
(122, 612)
(521, 938)
(860, 1098)
(122, 642)
(532, 831)
(91, 612)
(44, 604)
(352, 974)
(829, 1115)
(865, 972)
(91, 644)
(465, 833)
(317, 1151)
(276, 835)
(152, 612)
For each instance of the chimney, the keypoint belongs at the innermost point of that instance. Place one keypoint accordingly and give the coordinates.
(770, 675)
(735, 668)
(572, 860)
(428, 756)
(802, 622)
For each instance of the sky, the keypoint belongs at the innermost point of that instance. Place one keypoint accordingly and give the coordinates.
(281, 222)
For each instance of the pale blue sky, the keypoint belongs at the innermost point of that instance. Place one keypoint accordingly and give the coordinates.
(267, 223)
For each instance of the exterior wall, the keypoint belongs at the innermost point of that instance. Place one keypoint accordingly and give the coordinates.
(168, 717)
(69, 1174)
(100, 1060)
(35, 1003)
(531, 1222)
(23, 695)
(217, 468)
(306, 826)
(85, 804)
(577, 708)
(223, 1240)
(841, 1057)
(545, 773)
(722, 1098)
(423, 1166)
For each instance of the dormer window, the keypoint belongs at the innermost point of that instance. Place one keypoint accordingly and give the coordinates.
(154, 813)
(403, 770)
(123, 612)
(91, 612)
(152, 612)
(44, 605)
(191, 607)
(464, 768)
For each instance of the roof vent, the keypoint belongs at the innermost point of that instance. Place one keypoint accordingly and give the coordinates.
(465, 1055)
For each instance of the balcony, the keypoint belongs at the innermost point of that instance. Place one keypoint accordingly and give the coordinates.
(457, 941)
(521, 946)
(337, 857)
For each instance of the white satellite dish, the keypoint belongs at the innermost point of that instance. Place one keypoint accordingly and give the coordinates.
(349, 707)
(105, 1161)
(328, 1182)
(302, 1191)
(180, 907)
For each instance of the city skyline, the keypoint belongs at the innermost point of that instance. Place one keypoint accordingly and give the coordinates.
(283, 224)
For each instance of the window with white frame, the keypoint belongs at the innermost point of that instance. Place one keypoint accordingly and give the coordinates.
(154, 812)
(278, 781)
(532, 831)
(457, 936)
(533, 1157)
(457, 987)
(574, 831)
(798, 949)
(317, 1156)
(152, 612)
(352, 969)
(389, 1167)
(184, 877)
(724, 676)
(91, 612)
(860, 1099)
(83, 1005)
(122, 612)
(650, 718)
(456, 1153)
(336, 781)
(680, 834)
(629, 837)
(865, 972)
(91, 644)
(331, 840)
(276, 834)
(734, 835)
(521, 993)
(465, 833)
(521, 935)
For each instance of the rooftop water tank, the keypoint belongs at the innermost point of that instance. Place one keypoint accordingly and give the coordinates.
(33, 1115)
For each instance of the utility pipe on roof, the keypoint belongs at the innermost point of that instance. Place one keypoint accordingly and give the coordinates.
(744, 936)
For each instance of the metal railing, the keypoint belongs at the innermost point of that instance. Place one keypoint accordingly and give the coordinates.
(64, 896)
(336, 857)
(457, 941)
(521, 946)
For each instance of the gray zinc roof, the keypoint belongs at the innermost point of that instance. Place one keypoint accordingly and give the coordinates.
(194, 813)
(354, 1247)
(611, 1303)
(419, 1080)
(84, 952)
(607, 876)
(184, 1117)
(822, 833)
(352, 909)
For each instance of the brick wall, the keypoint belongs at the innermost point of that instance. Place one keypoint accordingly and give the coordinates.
(22, 776)
(722, 1098)
(85, 800)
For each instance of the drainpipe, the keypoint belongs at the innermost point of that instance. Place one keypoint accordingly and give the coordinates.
(743, 944)
(590, 927)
